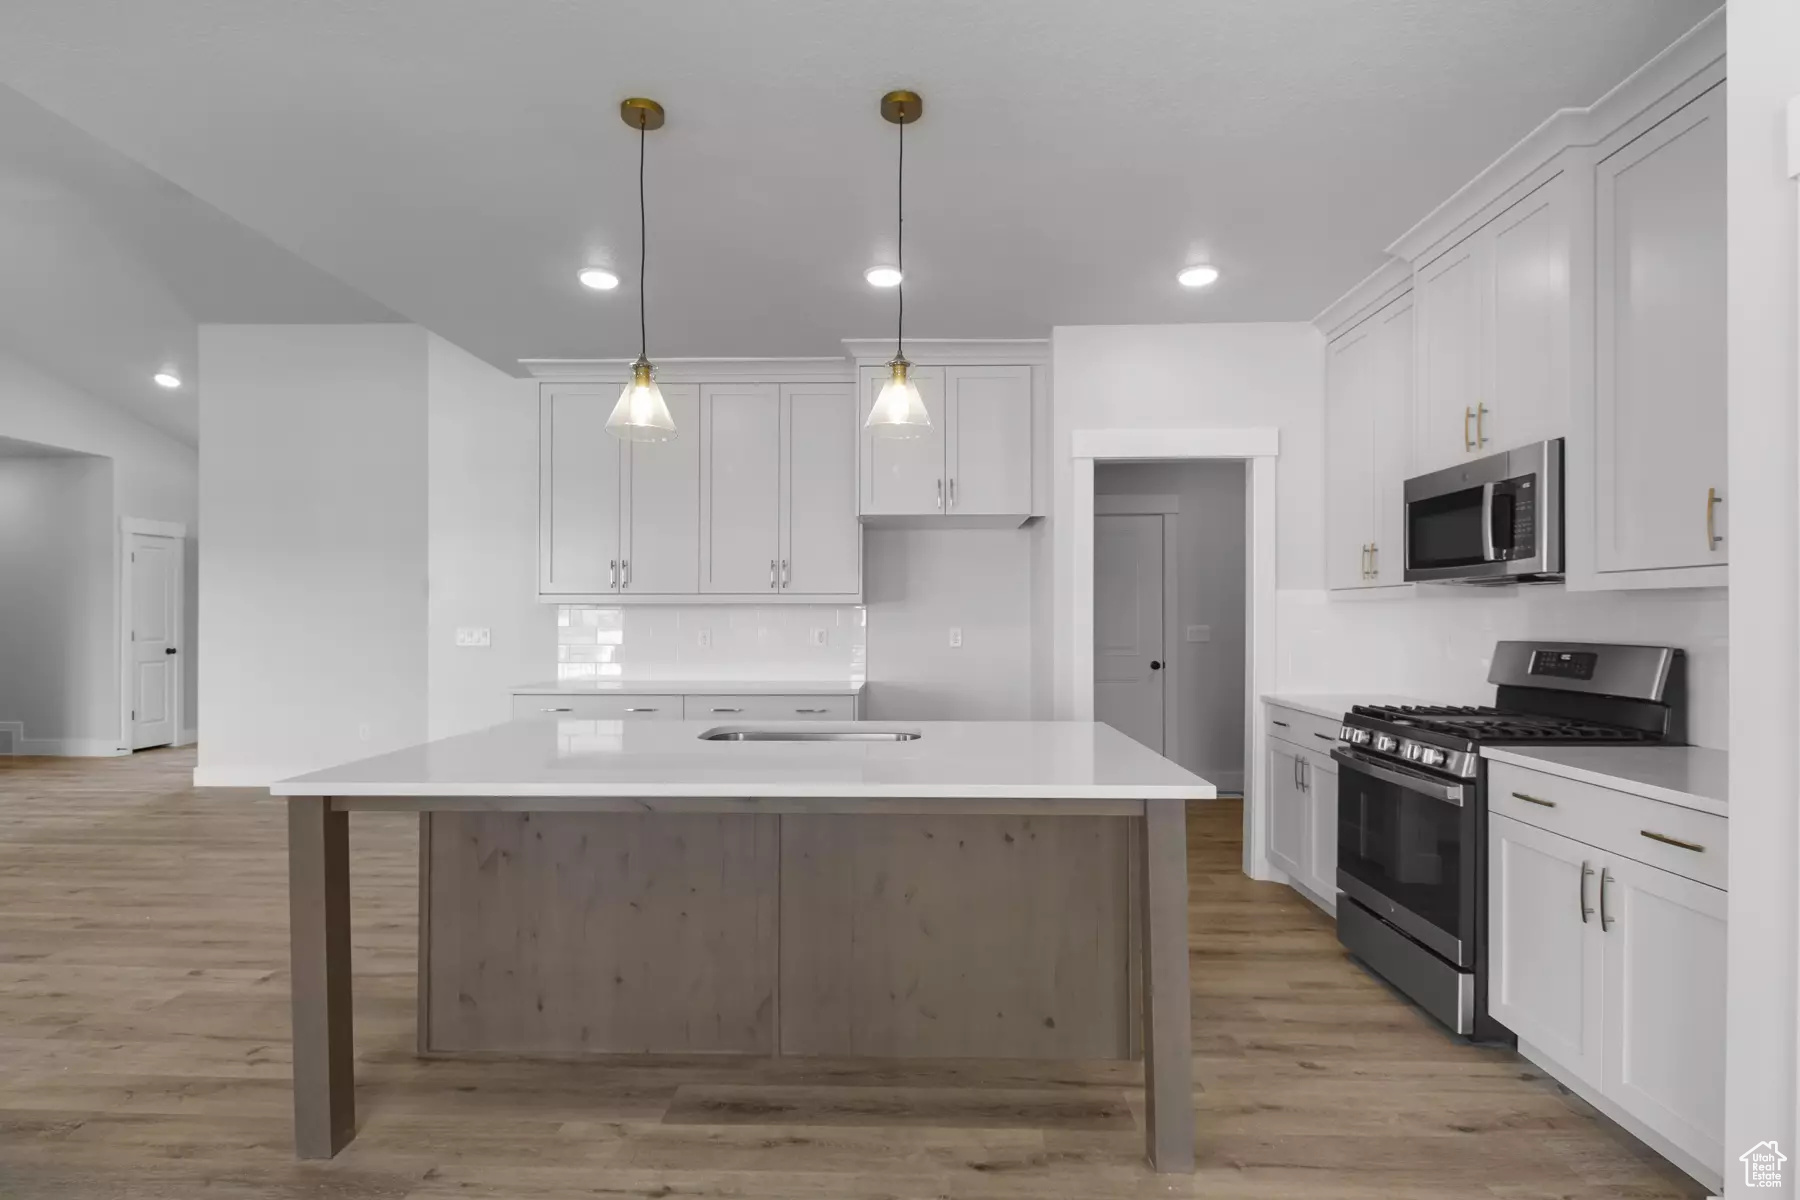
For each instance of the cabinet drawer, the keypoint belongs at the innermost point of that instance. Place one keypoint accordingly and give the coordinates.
(597, 708)
(771, 708)
(1303, 728)
(1681, 840)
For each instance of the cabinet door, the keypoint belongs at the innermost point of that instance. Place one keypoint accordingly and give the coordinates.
(1389, 405)
(1544, 953)
(1290, 824)
(1659, 419)
(1447, 308)
(740, 492)
(1665, 1005)
(1349, 457)
(580, 471)
(821, 537)
(1526, 350)
(661, 550)
(904, 476)
(1320, 778)
(989, 450)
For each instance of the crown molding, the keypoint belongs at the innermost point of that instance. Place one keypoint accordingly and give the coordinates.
(1385, 284)
(953, 352)
(693, 370)
(1698, 51)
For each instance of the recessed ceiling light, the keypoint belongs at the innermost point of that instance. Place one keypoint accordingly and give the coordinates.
(1197, 276)
(598, 278)
(883, 276)
(167, 378)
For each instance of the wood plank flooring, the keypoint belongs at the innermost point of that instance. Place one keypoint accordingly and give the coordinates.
(144, 1054)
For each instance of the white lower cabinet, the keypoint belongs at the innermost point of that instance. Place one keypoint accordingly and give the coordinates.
(1290, 826)
(1303, 804)
(1612, 973)
(1321, 804)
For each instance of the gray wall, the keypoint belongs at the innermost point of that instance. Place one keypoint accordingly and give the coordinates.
(1209, 676)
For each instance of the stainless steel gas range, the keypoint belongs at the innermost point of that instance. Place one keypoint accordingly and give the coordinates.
(1412, 806)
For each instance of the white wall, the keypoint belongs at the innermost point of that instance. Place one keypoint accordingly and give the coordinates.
(154, 476)
(313, 588)
(1191, 377)
(483, 511)
(1764, 480)
(918, 584)
(1208, 676)
(59, 677)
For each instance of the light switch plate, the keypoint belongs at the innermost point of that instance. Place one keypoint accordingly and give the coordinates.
(1199, 633)
(469, 635)
(956, 635)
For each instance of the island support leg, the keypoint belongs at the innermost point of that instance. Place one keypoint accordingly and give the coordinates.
(1168, 1045)
(319, 937)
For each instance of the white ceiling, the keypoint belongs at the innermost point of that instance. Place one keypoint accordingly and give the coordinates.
(456, 160)
(109, 266)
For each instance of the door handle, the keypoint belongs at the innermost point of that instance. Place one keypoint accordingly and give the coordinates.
(953, 491)
(625, 577)
(1606, 919)
(1534, 800)
(1326, 737)
(728, 710)
(1587, 873)
(772, 575)
(1666, 840)
(1374, 561)
(1155, 665)
(812, 711)
(1365, 560)
(1489, 552)
(1480, 425)
(940, 494)
(612, 575)
(1468, 415)
(785, 577)
(168, 650)
(640, 710)
(556, 709)
(1713, 499)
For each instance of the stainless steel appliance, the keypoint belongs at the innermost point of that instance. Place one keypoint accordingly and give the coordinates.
(1495, 520)
(1412, 806)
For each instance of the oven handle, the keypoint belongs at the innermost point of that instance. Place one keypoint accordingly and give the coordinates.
(1489, 552)
(1449, 793)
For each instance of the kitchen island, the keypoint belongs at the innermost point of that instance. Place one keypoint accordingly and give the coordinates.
(911, 889)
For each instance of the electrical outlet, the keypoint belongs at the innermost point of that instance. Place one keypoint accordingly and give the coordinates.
(1199, 633)
(468, 635)
(363, 731)
(821, 637)
(704, 639)
(956, 635)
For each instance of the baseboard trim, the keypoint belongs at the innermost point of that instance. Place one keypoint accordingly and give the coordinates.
(187, 737)
(24, 747)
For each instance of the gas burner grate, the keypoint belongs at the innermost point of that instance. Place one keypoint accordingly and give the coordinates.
(1479, 723)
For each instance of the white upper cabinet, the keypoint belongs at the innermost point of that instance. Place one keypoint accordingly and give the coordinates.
(740, 488)
(580, 491)
(821, 539)
(976, 463)
(1493, 330)
(660, 550)
(1368, 407)
(1658, 429)
(904, 477)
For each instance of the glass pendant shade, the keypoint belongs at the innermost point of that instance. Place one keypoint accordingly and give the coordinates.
(899, 410)
(641, 415)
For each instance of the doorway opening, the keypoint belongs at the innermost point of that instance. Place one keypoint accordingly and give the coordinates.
(1169, 618)
(152, 609)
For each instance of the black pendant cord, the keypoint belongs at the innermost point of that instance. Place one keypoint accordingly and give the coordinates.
(900, 246)
(643, 247)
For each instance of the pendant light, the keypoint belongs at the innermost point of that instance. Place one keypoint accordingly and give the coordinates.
(899, 411)
(640, 415)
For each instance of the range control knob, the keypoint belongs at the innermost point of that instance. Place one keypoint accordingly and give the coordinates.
(1431, 757)
(1385, 743)
(1411, 751)
(1359, 737)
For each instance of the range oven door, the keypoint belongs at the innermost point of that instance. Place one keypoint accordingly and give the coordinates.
(1495, 518)
(1407, 852)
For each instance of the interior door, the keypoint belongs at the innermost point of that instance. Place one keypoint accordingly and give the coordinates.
(661, 551)
(1128, 625)
(741, 489)
(820, 535)
(1659, 413)
(1665, 1004)
(580, 480)
(905, 476)
(155, 634)
(1544, 956)
(989, 453)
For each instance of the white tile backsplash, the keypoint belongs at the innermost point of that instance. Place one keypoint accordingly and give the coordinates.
(796, 641)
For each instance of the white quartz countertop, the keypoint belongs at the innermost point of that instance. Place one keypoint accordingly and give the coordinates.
(1333, 705)
(1690, 776)
(1024, 760)
(691, 687)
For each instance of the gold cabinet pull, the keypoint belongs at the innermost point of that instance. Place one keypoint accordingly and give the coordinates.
(1666, 840)
(1468, 415)
(1365, 560)
(1374, 561)
(1534, 800)
(1480, 425)
(1713, 499)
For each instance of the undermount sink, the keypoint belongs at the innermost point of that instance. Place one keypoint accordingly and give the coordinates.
(742, 733)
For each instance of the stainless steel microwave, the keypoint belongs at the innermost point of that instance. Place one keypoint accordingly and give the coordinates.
(1495, 520)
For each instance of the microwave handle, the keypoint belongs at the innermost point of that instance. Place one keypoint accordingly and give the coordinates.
(1488, 551)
